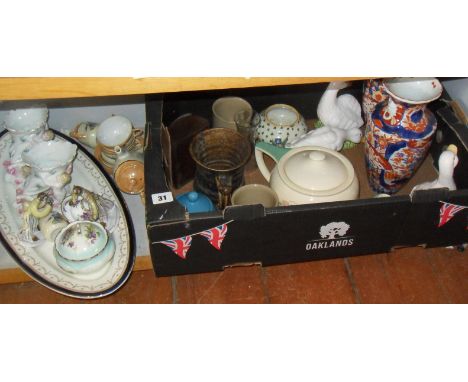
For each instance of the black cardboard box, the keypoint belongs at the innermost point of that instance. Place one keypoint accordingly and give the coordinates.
(280, 235)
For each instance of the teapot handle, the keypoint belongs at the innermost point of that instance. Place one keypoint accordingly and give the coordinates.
(272, 151)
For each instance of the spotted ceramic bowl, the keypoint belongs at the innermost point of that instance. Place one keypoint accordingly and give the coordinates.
(280, 124)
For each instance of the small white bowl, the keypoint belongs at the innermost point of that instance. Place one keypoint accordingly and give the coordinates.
(114, 131)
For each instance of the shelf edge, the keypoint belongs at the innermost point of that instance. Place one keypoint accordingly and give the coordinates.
(31, 88)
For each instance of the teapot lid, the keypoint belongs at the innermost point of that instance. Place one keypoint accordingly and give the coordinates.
(314, 170)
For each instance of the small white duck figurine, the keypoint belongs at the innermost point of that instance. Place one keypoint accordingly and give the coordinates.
(343, 112)
(448, 160)
(329, 137)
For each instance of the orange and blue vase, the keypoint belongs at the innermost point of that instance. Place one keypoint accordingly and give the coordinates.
(399, 132)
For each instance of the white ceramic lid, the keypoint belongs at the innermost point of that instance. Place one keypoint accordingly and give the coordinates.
(313, 170)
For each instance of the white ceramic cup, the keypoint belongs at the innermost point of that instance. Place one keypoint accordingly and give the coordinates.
(114, 131)
(254, 194)
(225, 108)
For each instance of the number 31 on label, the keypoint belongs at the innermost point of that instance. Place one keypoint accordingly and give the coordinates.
(162, 197)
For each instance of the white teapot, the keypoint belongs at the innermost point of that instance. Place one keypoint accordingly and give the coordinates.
(309, 174)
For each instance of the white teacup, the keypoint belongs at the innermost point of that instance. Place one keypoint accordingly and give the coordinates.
(114, 131)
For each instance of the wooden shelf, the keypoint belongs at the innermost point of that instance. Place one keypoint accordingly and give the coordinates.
(29, 88)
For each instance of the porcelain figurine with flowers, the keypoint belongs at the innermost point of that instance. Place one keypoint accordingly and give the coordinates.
(400, 132)
(27, 126)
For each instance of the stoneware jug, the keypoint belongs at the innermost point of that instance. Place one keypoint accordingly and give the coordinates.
(220, 156)
(400, 132)
(309, 174)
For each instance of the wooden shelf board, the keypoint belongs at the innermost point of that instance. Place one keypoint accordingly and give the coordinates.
(29, 88)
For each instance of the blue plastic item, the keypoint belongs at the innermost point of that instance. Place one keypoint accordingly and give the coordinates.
(196, 202)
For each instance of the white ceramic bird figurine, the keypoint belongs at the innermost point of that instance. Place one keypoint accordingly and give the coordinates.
(343, 112)
(331, 138)
(448, 160)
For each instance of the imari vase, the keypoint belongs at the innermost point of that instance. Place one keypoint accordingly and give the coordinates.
(373, 94)
(400, 131)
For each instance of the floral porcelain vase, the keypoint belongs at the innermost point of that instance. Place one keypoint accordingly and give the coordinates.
(399, 132)
(374, 93)
(27, 126)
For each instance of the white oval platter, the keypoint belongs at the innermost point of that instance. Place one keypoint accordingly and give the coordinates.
(39, 262)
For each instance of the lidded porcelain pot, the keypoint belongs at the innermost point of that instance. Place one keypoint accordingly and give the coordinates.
(310, 174)
(83, 247)
(81, 240)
